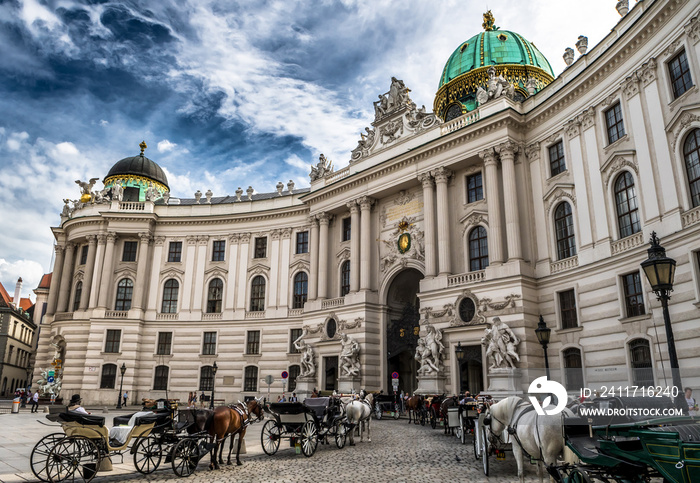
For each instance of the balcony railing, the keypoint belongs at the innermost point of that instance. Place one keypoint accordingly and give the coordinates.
(116, 314)
(566, 264)
(167, 316)
(627, 243)
(460, 122)
(336, 302)
(336, 175)
(132, 206)
(258, 314)
(691, 217)
(212, 316)
(464, 278)
(295, 312)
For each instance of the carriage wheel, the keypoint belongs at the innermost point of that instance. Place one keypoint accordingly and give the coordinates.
(74, 457)
(270, 437)
(462, 430)
(485, 451)
(185, 457)
(40, 454)
(578, 475)
(433, 418)
(397, 409)
(147, 455)
(377, 411)
(341, 434)
(309, 438)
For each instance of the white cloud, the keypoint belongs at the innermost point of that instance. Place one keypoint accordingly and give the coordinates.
(15, 141)
(103, 122)
(296, 162)
(30, 271)
(164, 146)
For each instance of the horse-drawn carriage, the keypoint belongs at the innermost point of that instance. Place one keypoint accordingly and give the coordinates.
(387, 403)
(86, 445)
(304, 424)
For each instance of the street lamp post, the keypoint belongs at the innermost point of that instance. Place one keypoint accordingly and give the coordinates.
(214, 368)
(660, 271)
(543, 332)
(122, 369)
(459, 355)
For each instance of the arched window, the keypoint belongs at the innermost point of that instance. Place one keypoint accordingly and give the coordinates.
(691, 153)
(257, 294)
(478, 249)
(345, 278)
(125, 289)
(214, 296)
(206, 378)
(76, 295)
(573, 369)
(294, 372)
(109, 376)
(250, 382)
(160, 381)
(640, 359)
(170, 292)
(626, 204)
(301, 290)
(564, 227)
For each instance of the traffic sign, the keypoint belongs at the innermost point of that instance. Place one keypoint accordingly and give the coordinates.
(49, 379)
(394, 375)
(285, 374)
(269, 379)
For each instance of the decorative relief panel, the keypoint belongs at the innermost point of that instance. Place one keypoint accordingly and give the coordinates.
(405, 243)
(616, 163)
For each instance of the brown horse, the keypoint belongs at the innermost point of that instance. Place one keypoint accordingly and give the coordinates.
(231, 420)
(448, 402)
(413, 406)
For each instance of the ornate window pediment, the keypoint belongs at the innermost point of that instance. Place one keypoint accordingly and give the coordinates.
(258, 268)
(684, 118)
(342, 255)
(472, 219)
(557, 193)
(299, 265)
(122, 272)
(172, 272)
(617, 161)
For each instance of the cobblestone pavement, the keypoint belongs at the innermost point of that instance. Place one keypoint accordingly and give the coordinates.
(398, 452)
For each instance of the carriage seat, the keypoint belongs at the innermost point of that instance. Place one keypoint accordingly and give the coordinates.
(318, 405)
(80, 418)
(119, 434)
(689, 433)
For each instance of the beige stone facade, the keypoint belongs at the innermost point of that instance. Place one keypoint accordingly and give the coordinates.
(416, 170)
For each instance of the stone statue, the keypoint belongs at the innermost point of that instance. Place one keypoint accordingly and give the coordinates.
(66, 208)
(86, 188)
(117, 191)
(501, 345)
(498, 86)
(429, 351)
(151, 192)
(323, 167)
(482, 97)
(582, 44)
(46, 388)
(398, 94)
(381, 106)
(307, 363)
(349, 356)
(531, 85)
(568, 56)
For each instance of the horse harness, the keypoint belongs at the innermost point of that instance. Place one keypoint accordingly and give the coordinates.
(512, 428)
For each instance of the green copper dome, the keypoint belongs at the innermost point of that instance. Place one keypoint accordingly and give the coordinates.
(515, 59)
(493, 47)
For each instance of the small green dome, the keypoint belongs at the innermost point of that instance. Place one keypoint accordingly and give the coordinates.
(493, 47)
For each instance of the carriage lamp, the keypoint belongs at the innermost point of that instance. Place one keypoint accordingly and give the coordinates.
(214, 368)
(122, 369)
(660, 271)
(543, 332)
(459, 352)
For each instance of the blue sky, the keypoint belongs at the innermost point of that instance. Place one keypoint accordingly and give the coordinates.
(226, 94)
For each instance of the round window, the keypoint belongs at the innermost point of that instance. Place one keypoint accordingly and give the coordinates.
(467, 309)
(331, 328)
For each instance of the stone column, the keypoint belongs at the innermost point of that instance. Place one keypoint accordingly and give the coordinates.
(189, 273)
(313, 253)
(97, 272)
(493, 203)
(106, 269)
(89, 271)
(507, 152)
(243, 271)
(323, 221)
(429, 224)
(285, 254)
(55, 281)
(156, 260)
(145, 241)
(441, 176)
(274, 268)
(201, 261)
(354, 246)
(229, 301)
(66, 279)
(365, 203)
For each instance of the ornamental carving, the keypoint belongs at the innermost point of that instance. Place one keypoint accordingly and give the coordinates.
(587, 118)
(648, 72)
(323, 167)
(397, 251)
(428, 312)
(286, 233)
(684, 121)
(672, 47)
(532, 151)
(473, 220)
(159, 240)
(692, 29)
(489, 156)
(468, 310)
(610, 100)
(558, 195)
(572, 128)
(630, 87)
(509, 302)
(391, 131)
(404, 197)
(617, 164)
(234, 239)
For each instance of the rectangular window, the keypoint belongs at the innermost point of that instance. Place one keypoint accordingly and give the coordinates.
(680, 74)
(250, 382)
(218, 253)
(209, 344)
(261, 247)
(614, 124)
(206, 379)
(253, 342)
(303, 242)
(567, 307)
(475, 188)
(112, 342)
(556, 159)
(160, 381)
(346, 229)
(129, 254)
(83, 255)
(294, 334)
(175, 252)
(634, 301)
(165, 340)
(109, 376)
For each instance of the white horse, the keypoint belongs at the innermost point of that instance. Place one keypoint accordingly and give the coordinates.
(538, 436)
(359, 413)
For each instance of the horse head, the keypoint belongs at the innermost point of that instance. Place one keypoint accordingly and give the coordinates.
(500, 414)
(255, 408)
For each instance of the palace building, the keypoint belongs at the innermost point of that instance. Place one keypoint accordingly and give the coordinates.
(521, 195)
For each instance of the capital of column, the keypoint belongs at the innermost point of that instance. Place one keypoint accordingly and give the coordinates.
(532, 151)
(489, 157)
(426, 180)
(159, 240)
(324, 218)
(286, 233)
(145, 237)
(630, 86)
(442, 174)
(111, 237)
(101, 239)
(507, 150)
(91, 239)
(365, 202)
(245, 237)
(275, 234)
(352, 206)
(202, 239)
(191, 239)
(58, 249)
(648, 72)
(587, 118)
(234, 239)
(573, 128)
(70, 246)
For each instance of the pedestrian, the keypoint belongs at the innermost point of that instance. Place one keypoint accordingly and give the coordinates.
(284, 399)
(294, 398)
(201, 399)
(690, 400)
(194, 399)
(189, 400)
(126, 396)
(35, 402)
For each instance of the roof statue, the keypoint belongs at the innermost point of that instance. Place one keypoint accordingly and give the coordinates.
(143, 146)
(323, 167)
(489, 21)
